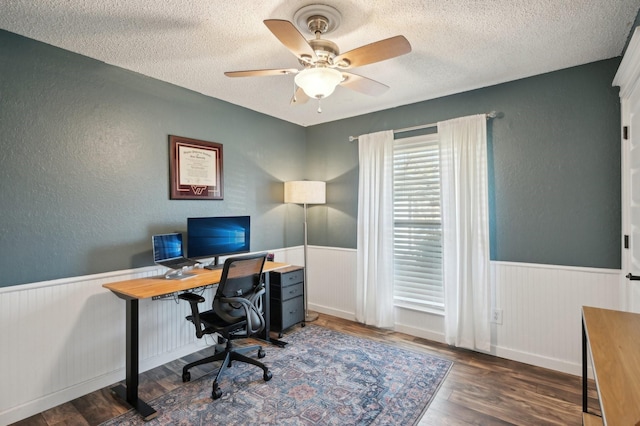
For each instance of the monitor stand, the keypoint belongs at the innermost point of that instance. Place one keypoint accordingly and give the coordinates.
(215, 265)
(178, 275)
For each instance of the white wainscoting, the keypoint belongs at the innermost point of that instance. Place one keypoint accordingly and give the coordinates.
(541, 305)
(65, 338)
(331, 276)
(542, 311)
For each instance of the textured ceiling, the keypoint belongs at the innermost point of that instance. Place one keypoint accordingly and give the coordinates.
(457, 45)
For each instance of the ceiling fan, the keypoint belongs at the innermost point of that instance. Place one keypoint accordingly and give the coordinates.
(324, 67)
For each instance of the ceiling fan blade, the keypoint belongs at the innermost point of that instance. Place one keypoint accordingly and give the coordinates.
(363, 84)
(299, 97)
(374, 52)
(289, 35)
(261, 73)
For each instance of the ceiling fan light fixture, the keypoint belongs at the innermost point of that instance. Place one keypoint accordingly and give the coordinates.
(318, 82)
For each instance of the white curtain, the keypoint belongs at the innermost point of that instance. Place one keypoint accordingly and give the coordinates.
(463, 163)
(374, 284)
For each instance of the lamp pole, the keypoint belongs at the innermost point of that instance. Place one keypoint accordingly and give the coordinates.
(305, 192)
(308, 316)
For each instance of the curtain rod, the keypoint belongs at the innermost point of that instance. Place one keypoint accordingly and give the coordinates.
(492, 114)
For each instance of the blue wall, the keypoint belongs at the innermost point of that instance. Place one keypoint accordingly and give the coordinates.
(555, 165)
(84, 165)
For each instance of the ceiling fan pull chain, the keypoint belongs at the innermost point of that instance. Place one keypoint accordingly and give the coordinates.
(294, 92)
(319, 106)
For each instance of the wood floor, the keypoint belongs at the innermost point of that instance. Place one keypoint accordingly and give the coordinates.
(479, 390)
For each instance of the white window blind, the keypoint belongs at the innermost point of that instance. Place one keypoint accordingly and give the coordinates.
(417, 248)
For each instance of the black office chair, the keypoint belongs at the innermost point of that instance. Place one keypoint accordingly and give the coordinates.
(236, 313)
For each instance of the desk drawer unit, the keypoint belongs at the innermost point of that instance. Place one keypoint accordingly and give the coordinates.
(286, 298)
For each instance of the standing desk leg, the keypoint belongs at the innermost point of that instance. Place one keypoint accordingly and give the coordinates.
(130, 393)
(584, 369)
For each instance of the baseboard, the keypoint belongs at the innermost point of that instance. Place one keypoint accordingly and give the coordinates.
(333, 312)
(514, 355)
(39, 405)
(560, 365)
(36, 406)
(434, 336)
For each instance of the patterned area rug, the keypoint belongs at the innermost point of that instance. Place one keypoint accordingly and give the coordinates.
(322, 377)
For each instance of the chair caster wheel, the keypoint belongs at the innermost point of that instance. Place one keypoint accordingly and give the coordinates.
(261, 353)
(186, 377)
(216, 394)
(267, 376)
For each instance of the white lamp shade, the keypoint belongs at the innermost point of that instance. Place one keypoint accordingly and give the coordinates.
(305, 192)
(318, 82)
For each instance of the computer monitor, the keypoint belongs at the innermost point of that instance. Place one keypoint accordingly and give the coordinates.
(218, 236)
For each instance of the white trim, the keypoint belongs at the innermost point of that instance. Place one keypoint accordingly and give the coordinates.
(333, 312)
(558, 267)
(628, 75)
(112, 276)
(332, 249)
(556, 364)
(38, 405)
(419, 308)
(418, 332)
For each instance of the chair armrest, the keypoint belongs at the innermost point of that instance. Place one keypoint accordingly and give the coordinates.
(190, 297)
(193, 300)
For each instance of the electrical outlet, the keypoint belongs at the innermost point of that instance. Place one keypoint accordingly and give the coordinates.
(496, 316)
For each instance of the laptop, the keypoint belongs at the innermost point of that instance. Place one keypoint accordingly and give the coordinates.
(168, 251)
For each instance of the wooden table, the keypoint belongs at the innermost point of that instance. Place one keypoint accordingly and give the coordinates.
(613, 340)
(143, 288)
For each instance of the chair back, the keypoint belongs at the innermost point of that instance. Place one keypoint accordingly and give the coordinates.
(240, 291)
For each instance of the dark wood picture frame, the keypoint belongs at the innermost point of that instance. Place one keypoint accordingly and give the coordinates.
(195, 169)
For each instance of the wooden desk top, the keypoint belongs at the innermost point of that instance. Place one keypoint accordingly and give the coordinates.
(614, 340)
(143, 288)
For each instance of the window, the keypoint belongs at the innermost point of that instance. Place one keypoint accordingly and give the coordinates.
(417, 247)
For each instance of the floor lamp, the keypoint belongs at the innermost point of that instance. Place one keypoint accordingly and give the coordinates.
(305, 192)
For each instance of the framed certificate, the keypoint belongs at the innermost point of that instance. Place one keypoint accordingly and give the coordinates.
(195, 169)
